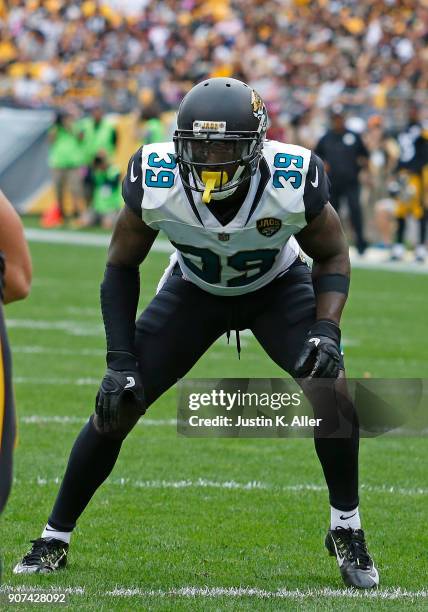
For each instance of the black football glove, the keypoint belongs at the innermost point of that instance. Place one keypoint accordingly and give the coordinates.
(118, 391)
(320, 356)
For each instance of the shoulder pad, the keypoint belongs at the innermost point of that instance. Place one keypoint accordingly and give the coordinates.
(289, 165)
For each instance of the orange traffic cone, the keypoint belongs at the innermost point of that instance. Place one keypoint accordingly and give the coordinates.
(52, 217)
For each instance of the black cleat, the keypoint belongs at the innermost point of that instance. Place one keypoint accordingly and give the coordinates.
(355, 564)
(46, 555)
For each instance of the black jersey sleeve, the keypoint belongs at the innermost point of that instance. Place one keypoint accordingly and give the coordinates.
(132, 186)
(317, 188)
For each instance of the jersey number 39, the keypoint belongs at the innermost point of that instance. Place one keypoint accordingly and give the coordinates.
(208, 265)
(163, 176)
(288, 170)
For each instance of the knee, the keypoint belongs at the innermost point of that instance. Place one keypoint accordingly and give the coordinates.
(5, 487)
(127, 418)
(332, 403)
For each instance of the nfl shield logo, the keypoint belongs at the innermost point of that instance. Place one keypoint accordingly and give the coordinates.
(269, 226)
(223, 237)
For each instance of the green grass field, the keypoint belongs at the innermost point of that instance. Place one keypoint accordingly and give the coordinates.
(167, 521)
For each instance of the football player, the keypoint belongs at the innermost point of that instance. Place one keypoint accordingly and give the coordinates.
(237, 209)
(15, 280)
(412, 176)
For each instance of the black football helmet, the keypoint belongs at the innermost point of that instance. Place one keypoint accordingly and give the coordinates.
(221, 126)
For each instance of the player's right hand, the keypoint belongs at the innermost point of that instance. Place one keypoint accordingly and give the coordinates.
(320, 355)
(118, 390)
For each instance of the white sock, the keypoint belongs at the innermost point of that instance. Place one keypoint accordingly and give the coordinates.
(51, 532)
(339, 518)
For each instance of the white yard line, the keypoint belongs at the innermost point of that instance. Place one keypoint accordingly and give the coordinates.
(229, 485)
(297, 594)
(389, 594)
(50, 350)
(74, 328)
(27, 588)
(36, 419)
(83, 239)
(28, 380)
(373, 260)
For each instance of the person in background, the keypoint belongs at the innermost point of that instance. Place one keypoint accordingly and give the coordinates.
(150, 126)
(65, 160)
(384, 214)
(383, 155)
(100, 134)
(276, 129)
(412, 174)
(15, 281)
(97, 133)
(302, 130)
(344, 155)
(106, 194)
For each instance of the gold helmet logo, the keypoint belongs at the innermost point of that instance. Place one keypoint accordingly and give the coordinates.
(257, 104)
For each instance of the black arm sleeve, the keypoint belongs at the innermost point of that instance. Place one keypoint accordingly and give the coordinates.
(120, 291)
(317, 188)
(132, 186)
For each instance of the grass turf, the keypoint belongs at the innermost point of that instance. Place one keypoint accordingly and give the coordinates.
(142, 531)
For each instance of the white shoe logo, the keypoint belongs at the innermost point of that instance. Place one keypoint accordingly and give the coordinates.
(133, 177)
(131, 382)
(339, 558)
(316, 341)
(315, 182)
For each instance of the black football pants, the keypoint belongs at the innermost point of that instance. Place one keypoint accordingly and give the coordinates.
(351, 193)
(175, 330)
(7, 415)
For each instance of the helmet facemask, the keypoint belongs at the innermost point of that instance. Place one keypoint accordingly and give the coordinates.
(215, 162)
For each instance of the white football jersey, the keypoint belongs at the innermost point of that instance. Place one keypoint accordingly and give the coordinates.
(258, 244)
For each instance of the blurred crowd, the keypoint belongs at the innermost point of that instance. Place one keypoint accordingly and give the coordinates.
(298, 54)
(302, 56)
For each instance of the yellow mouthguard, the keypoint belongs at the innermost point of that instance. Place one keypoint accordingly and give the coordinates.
(212, 180)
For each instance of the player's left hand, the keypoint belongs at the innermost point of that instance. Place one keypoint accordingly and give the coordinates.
(320, 356)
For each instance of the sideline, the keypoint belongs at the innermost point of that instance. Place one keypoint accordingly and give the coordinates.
(374, 259)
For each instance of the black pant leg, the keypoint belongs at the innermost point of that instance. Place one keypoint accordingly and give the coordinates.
(174, 331)
(282, 329)
(423, 227)
(401, 227)
(177, 327)
(356, 213)
(7, 415)
(91, 461)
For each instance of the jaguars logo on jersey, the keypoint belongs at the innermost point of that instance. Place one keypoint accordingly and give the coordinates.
(269, 226)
